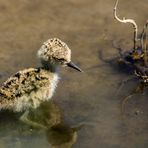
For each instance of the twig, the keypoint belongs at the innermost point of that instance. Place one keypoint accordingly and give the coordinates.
(144, 43)
(127, 21)
(143, 31)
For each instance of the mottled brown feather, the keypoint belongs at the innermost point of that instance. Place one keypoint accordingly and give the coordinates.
(23, 82)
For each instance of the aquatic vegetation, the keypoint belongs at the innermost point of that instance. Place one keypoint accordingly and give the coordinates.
(137, 57)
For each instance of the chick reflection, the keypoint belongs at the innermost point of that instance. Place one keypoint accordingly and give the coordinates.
(49, 117)
(62, 136)
(45, 116)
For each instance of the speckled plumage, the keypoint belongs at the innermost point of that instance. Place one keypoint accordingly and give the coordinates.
(27, 89)
(30, 87)
(52, 50)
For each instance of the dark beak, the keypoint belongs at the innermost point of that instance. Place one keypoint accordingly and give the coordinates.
(72, 65)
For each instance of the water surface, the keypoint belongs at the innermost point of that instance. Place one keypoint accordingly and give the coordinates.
(88, 98)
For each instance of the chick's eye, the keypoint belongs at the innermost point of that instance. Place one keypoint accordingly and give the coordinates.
(61, 59)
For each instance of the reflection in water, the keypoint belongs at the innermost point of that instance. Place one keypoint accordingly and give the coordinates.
(48, 114)
(59, 134)
(56, 133)
(62, 136)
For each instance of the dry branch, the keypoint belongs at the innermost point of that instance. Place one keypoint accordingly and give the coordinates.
(131, 21)
(143, 33)
(144, 43)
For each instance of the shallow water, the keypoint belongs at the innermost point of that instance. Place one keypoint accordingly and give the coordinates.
(86, 111)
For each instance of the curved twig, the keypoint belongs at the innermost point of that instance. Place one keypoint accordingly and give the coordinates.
(127, 21)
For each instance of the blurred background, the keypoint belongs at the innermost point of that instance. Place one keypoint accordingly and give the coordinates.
(88, 98)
